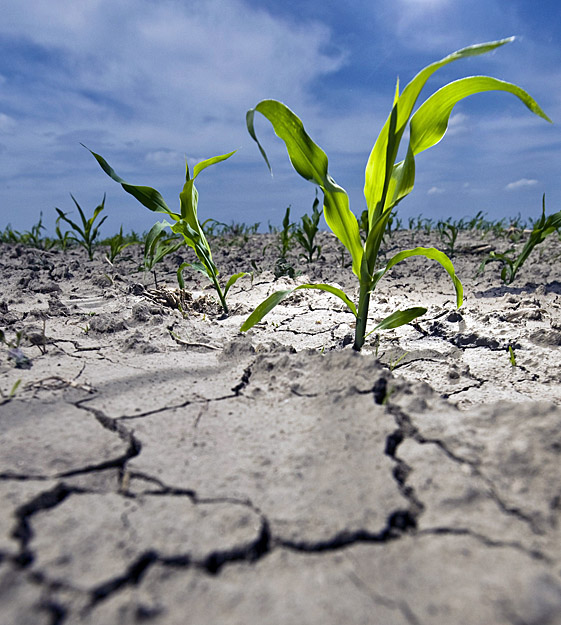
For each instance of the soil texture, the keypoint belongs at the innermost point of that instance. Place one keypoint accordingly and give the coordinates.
(158, 466)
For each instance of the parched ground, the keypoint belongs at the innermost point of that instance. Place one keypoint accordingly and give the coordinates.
(157, 466)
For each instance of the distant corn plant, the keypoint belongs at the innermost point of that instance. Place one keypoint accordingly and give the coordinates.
(86, 234)
(306, 233)
(510, 263)
(386, 182)
(186, 223)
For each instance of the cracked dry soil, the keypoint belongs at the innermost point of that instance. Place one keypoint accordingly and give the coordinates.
(158, 467)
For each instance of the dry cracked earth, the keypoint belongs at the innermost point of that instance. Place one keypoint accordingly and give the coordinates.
(159, 467)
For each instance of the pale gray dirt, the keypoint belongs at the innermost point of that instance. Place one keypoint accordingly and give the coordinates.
(159, 467)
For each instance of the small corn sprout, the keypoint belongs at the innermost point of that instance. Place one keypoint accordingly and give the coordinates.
(386, 182)
(306, 233)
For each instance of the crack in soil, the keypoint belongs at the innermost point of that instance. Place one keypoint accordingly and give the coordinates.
(485, 540)
(402, 470)
(492, 490)
(378, 599)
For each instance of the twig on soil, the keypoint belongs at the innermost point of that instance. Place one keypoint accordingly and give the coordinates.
(180, 341)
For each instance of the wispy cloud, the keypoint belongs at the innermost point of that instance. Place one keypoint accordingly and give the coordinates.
(435, 191)
(519, 184)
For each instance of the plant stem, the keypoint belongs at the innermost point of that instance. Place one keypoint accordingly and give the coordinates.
(362, 315)
(220, 294)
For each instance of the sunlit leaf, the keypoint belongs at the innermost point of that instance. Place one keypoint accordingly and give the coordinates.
(377, 163)
(276, 298)
(399, 318)
(433, 254)
(310, 161)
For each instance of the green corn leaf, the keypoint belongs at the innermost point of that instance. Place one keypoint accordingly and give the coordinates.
(154, 234)
(196, 266)
(433, 254)
(264, 307)
(310, 161)
(97, 210)
(540, 232)
(82, 215)
(387, 144)
(273, 300)
(196, 240)
(334, 291)
(208, 162)
(189, 199)
(147, 196)
(430, 122)
(399, 318)
(73, 224)
(104, 165)
(233, 279)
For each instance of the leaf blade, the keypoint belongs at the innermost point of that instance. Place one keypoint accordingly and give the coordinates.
(432, 254)
(311, 162)
(399, 318)
(378, 160)
(264, 308)
(210, 161)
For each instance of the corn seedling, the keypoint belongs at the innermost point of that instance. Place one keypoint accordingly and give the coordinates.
(9, 235)
(87, 233)
(543, 227)
(63, 239)
(448, 234)
(185, 223)
(285, 235)
(33, 237)
(512, 356)
(306, 233)
(117, 243)
(283, 267)
(476, 223)
(393, 363)
(386, 182)
(283, 244)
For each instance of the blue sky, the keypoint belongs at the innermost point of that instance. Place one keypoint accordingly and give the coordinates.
(148, 83)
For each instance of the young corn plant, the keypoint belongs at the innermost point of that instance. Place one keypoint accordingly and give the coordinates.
(387, 182)
(306, 233)
(117, 244)
(184, 223)
(34, 238)
(63, 239)
(285, 235)
(448, 232)
(87, 234)
(543, 227)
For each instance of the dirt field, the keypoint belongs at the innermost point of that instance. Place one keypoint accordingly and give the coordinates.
(161, 467)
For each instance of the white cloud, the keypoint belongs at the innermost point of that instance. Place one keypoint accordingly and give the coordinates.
(164, 73)
(518, 184)
(457, 124)
(435, 191)
(164, 158)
